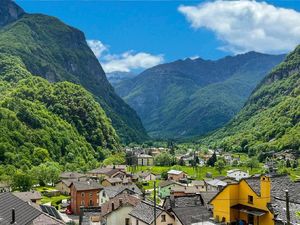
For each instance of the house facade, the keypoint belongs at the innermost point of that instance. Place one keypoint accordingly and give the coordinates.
(142, 215)
(145, 160)
(239, 202)
(85, 194)
(164, 188)
(176, 175)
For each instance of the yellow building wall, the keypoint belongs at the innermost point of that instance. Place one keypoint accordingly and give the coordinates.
(238, 194)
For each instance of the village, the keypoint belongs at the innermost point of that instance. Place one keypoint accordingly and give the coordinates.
(141, 193)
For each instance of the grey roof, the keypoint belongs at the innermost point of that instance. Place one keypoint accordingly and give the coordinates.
(114, 180)
(71, 175)
(208, 195)
(113, 191)
(144, 212)
(188, 209)
(86, 185)
(4, 222)
(28, 196)
(106, 171)
(143, 174)
(278, 186)
(197, 182)
(25, 214)
(277, 207)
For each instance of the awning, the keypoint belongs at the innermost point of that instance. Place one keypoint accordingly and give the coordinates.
(249, 210)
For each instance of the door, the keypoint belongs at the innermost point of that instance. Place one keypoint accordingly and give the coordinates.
(250, 219)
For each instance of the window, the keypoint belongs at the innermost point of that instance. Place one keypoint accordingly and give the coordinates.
(91, 203)
(91, 194)
(126, 221)
(82, 194)
(163, 218)
(82, 203)
(136, 222)
(120, 201)
(250, 199)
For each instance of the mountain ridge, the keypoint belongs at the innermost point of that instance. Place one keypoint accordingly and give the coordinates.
(186, 98)
(59, 52)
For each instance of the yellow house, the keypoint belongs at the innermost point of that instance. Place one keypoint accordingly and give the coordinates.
(240, 201)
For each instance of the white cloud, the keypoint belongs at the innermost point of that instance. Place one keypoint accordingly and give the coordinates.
(247, 25)
(97, 47)
(129, 61)
(124, 62)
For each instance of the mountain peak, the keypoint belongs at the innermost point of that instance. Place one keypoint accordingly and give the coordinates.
(9, 12)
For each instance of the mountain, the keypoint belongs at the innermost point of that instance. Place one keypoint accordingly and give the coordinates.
(9, 12)
(58, 52)
(40, 120)
(192, 97)
(270, 120)
(115, 78)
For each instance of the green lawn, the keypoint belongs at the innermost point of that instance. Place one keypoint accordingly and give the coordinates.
(200, 173)
(55, 200)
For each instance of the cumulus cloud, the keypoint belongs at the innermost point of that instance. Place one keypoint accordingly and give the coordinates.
(97, 47)
(129, 61)
(247, 25)
(124, 62)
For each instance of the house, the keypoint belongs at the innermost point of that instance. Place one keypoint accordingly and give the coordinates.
(143, 214)
(29, 196)
(184, 191)
(13, 210)
(66, 179)
(258, 200)
(63, 186)
(164, 188)
(110, 192)
(103, 173)
(146, 176)
(112, 181)
(72, 175)
(187, 210)
(200, 184)
(176, 175)
(117, 209)
(214, 184)
(144, 160)
(84, 193)
(237, 174)
(118, 167)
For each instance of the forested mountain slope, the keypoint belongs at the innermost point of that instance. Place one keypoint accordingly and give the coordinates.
(270, 120)
(41, 120)
(58, 52)
(192, 97)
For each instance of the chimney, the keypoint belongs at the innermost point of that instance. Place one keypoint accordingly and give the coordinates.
(13, 216)
(265, 187)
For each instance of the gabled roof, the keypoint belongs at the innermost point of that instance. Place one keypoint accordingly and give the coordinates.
(86, 185)
(144, 174)
(113, 191)
(144, 212)
(106, 171)
(166, 183)
(114, 180)
(25, 213)
(28, 196)
(126, 199)
(188, 209)
(216, 183)
(71, 175)
(175, 172)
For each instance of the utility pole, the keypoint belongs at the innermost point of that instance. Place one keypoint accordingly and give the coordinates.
(155, 202)
(287, 201)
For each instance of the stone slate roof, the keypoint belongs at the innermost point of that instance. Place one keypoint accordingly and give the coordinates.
(4, 222)
(188, 209)
(114, 180)
(166, 183)
(113, 191)
(106, 171)
(278, 186)
(28, 196)
(143, 174)
(126, 199)
(86, 185)
(197, 183)
(277, 207)
(71, 175)
(144, 212)
(25, 214)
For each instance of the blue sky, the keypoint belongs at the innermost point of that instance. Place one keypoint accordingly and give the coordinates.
(163, 30)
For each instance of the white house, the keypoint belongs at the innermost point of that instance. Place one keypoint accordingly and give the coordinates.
(237, 174)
